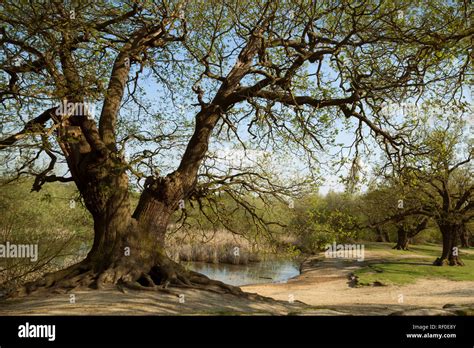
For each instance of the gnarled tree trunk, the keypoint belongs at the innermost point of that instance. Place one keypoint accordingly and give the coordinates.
(406, 232)
(464, 237)
(450, 230)
(128, 248)
(402, 239)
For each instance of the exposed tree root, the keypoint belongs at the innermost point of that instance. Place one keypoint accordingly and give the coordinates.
(167, 278)
(452, 261)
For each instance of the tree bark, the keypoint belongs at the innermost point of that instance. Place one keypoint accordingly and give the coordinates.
(407, 232)
(450, 253)
(402, 239)
(128, 249)
(464, 237)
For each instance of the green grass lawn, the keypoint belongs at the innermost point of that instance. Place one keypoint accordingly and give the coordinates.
(400, 268)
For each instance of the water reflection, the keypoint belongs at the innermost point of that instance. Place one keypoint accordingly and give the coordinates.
(267, 271)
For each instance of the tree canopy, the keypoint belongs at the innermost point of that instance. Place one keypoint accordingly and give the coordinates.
(184, 86)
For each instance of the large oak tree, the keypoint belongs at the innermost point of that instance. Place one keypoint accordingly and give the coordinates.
(280, 72)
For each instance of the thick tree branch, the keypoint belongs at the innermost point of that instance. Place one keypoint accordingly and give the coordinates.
(34, 126)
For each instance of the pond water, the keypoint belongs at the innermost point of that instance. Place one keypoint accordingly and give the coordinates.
(266, 271)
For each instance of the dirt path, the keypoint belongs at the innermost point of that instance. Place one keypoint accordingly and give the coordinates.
(326, 283)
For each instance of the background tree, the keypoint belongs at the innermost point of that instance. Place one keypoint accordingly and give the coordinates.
(437, 176)
(465, 236)
(274, 75)
(373, 207)
(383, 212)
(408, 228)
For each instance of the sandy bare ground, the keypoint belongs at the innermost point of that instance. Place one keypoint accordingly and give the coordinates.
(326, 283)
(324, 288)
(114, 302)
